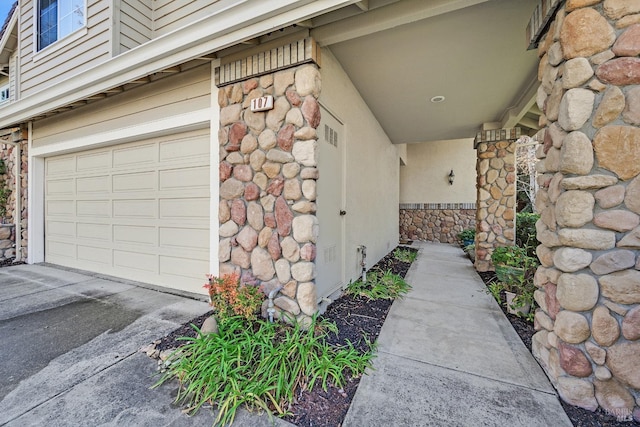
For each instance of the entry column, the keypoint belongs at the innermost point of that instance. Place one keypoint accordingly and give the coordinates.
(496, 199)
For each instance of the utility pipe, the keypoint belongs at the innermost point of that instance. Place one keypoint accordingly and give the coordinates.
(17, 217)
(271, 309)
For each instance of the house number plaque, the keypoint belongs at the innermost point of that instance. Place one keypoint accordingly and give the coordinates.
(263, 103)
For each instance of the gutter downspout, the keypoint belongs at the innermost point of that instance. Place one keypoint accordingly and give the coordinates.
(17, 218)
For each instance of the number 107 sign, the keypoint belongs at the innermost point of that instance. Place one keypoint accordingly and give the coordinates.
(262, 104)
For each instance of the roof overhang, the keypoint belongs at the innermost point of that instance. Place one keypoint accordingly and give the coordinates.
(228, 26)
(9, 39)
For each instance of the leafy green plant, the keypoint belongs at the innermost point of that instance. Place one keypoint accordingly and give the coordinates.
(380, 285)
(4, 197)
(468, 234)
(260, 365)
(405, 255)
(230, 298)
(526, 232)
(495, 289)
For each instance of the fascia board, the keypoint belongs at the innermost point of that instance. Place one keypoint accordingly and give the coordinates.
(9, 30)
(222, 29)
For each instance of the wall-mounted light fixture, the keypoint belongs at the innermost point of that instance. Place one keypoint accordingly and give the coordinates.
(451, 177)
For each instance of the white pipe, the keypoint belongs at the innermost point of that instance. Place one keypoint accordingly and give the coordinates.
(17, 217)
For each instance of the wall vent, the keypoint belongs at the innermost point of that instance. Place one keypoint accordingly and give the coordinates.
(330, 135)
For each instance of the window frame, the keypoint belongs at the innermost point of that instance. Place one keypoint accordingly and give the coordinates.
(60, 42)
(5, 88)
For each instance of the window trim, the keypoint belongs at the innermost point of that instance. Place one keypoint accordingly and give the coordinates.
(6, 87)
(61, 42)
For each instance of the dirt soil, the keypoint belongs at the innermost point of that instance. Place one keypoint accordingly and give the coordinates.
(579, 417)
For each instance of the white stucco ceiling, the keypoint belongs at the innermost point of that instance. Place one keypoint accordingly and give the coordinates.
(400, 54)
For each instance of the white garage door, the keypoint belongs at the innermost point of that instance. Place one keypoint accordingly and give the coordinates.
(138, 211)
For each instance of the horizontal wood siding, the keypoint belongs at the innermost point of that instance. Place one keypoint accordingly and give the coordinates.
(172, 14)
(136, 23)
(13, 71)
(78, 56)
(178, 94)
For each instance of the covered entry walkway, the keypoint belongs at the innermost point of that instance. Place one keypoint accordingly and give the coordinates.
(447, 355)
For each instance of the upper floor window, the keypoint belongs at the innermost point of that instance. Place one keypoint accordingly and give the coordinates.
(4, 93)
(57, 19)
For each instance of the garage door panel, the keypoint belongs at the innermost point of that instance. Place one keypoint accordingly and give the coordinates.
(185, 208)
(135, 208)
(195, 148)
(136, 155)
(61, 228)
(93, 208)
(197, 238)
(138, 235)
(94, 254)
(60, 187)
(94, 161)
(60, 207)
(140, 181)
(93, 185)
(94, 231)
(197, 177)
(61, 165)
(138, 210)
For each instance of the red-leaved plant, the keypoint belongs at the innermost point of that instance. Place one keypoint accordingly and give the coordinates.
(230, 298)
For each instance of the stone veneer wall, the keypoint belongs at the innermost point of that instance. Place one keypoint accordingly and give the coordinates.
(7, 236)
(496, 183)
(588, 323)
(268, 226)
(434, 222)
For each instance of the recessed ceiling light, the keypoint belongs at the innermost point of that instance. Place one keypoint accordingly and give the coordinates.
(437, 99)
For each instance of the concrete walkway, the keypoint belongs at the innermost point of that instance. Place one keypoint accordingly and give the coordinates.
(447, 356)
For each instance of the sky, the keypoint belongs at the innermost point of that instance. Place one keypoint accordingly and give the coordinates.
(5, 5)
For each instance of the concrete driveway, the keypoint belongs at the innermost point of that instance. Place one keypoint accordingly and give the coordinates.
(69, 350)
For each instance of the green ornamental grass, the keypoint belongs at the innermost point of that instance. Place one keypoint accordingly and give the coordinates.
(380, 285)
(260, 365)
(405, 255)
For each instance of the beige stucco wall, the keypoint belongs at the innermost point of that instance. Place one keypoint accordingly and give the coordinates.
(372, 170)
(424, 179)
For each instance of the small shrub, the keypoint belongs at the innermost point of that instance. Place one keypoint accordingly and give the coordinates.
(526, 232)
(468, 234)
(260, 365)
(405, 255)
(231, 298)
(380, 285)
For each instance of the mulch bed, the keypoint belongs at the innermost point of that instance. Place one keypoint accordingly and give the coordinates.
(579, 417)
(358, 320)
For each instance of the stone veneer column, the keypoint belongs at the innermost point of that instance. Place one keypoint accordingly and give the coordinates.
(496, 184)
(18, 135)
(435, 222)
(268, 174)
(588, 323)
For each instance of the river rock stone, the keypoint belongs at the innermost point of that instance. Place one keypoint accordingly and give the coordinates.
(228, 229)
(631, 112)
(284, 217)
(238, 212)
(262, 264)
(631, 324)
(251, 191)
(588, 182)
(267, 139)
(617, 220)
(584, 33)
(273, 247)
(305, 133)
(287, 304)
(604, 327)
(307, 298)
(308, 252)
(224, 250)
(623, 361)
(257, 159)
(598, 354)
(311, 111)
(224, 212)
(231, 189)
(573, 361)
(574, 208)
(571, 259)
(571, 327)
(230, 114)
(243, 173)
(613, 261)
(305, 152)
(632, 197)
(247, 238)
(545, 255)
(620, 71)
(576, 154)
(305, 228)
(240, 257)
(290, 249)
(291, 170)
(303, 271)
(587, 239)
(209, 326)
(610, 197)
(294, 117)
(552, 106)
(612, 104)
(292, 190)
(575, 108)
(276, 185)
(308, 81)
(278, 156)
(264, 236)
(577, 71)
(616, 9)
(255, 215)
(577, 292)
(577, 392)
(283, 270)
(282, 80)
(622, 287)
(613, 397)
(602, 373)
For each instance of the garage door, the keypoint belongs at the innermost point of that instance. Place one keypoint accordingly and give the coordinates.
(139, 211)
